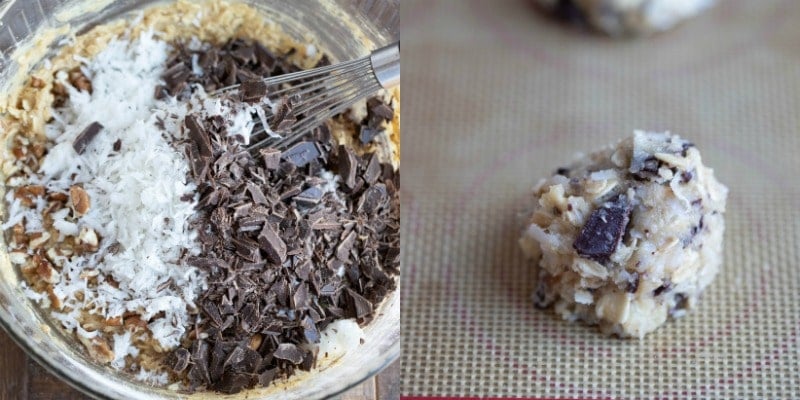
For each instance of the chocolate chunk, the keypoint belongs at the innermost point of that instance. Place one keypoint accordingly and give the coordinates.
(649, 168)
(604, 229)
(289, 352)
(663, 288)
(245, 54)
(179, 360)
(366, 134)
(310, 330)
(271, 156)
(253, 91)
(372, 198)
(266, 377)
(198, 135)
(309, 197)
(361, 306)
(380, 109)
(301, 153)
(118, 145)
(264, 56)
(686, 176)
(563, 171)
(300, 298)
(373, 170)
(272, 244)
(84, 138)
(348, 166)
(344, 248)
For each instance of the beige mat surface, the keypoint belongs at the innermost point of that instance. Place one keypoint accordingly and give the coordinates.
(498, 96)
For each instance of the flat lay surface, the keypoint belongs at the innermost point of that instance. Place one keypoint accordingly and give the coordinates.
(497, 97)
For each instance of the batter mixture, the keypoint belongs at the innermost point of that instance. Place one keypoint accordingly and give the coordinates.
(627, 236)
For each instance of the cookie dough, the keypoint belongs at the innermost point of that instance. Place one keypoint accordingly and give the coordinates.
(627, 17)
(627, 236)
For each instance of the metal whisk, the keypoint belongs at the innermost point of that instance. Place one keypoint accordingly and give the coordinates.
(320, 93)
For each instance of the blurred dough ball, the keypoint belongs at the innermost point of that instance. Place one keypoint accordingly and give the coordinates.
(627, 17)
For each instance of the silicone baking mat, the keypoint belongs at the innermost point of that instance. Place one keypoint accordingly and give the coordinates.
(497, 96)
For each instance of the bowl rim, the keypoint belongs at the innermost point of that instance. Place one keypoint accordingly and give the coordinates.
(21, 340)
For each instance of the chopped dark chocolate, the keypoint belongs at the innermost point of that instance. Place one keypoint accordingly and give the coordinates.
(301, 153)
(309, 197)
(285, 256)
(271, 156)
(604, 229)
(198, 135)
(348, 166)
(289, 352)
(272, 244)
(366, 134)
(253, 91)
(84, 138)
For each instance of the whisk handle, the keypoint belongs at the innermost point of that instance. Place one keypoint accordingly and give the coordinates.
(386, 65)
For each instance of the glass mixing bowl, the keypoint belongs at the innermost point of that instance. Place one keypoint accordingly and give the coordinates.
(331, 23)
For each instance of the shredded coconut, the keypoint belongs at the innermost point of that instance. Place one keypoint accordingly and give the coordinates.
(135, 199)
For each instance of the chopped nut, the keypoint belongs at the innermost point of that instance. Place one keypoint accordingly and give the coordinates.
(255, 341)
(79, 80)
(98, 349)
(19, 152)
(36, 83)
(79, 199)
(134, 323)
(116, 321)
(56, 196)
(55, 302)
(45, 270)
(88, 273)
(38, 150)
(88, 236)
(27, 194)
(18, 233)
(38, 239)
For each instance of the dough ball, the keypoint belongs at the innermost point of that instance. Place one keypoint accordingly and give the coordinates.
(628, 236)
(627, 17)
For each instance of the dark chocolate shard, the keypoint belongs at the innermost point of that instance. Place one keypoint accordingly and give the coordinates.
(253, 91)
(604, 229)
(272, 244)
(373, 170)
(309, 197)
(301, 153)
(266, 377)
(198, 135)
(663, 288)
(118, 145)
(361, 306)
(310, 330)
(289, 352)
(366, 134)
(372, 198)
(348, 165)
(179, 360)
(344, 248)
(272, 157)
(244, 54)
(380, 109)
(84, 138)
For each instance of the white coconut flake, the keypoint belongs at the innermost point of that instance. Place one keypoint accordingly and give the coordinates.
(135, 197)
